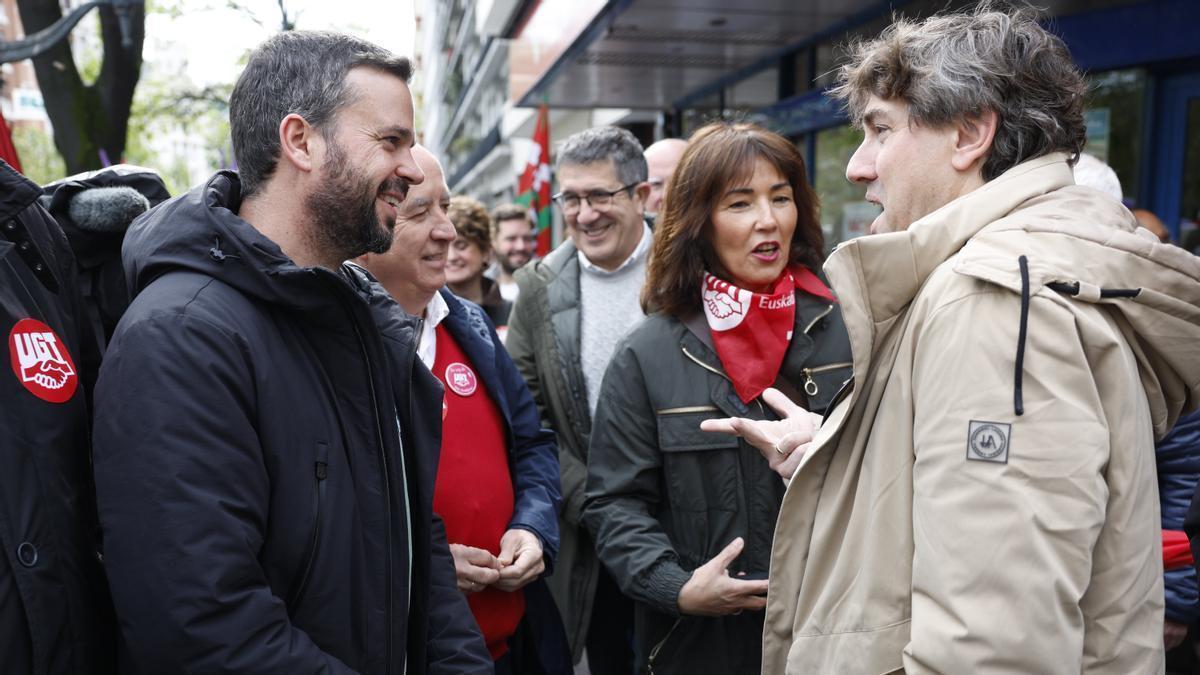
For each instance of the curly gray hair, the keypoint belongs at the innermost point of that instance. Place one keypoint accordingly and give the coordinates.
(953, 67)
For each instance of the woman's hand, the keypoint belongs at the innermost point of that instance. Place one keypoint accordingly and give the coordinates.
(712, 592)
(783, 443)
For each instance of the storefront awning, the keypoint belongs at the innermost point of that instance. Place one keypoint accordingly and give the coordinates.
(660, 54)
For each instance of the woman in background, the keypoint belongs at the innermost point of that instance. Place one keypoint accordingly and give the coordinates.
(469, 256)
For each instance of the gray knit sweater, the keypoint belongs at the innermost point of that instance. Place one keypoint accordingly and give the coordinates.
(610, 309)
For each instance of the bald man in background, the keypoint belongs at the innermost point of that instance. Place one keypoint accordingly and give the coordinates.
(661, 159)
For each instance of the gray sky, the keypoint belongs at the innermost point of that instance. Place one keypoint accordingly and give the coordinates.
(212, 41)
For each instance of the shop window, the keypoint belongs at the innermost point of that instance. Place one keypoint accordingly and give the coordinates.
(1114, 109)
(799, 71)
(1189, 198)
(845, 213)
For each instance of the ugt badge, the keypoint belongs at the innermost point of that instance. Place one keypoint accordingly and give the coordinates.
(989, 441)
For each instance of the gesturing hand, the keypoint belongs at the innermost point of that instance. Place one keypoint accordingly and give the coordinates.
(783, 443)
(520, 559)
(712, 592)
(476, 568)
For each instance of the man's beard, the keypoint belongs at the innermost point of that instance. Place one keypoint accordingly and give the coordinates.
(507, 265)
(343, 211)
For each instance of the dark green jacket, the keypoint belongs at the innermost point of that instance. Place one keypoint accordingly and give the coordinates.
(664, 497)
(543, 340)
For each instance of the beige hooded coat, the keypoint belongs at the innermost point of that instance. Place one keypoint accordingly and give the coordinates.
(935, 529)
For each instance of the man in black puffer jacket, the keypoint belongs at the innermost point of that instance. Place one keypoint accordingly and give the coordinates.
(266, 445)
(55, 616)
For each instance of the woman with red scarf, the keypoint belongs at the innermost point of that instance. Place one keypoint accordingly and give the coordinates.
(683, 518)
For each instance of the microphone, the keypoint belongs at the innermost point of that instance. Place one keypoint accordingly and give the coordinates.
(106, 209)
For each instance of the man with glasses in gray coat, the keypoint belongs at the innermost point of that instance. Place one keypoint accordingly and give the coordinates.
(574, 306)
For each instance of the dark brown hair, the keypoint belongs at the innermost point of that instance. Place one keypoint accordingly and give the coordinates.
(719, 155)
(509, 212)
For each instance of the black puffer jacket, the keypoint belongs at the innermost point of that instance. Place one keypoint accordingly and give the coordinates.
(261, 513)
(54, 608)
(664, 497)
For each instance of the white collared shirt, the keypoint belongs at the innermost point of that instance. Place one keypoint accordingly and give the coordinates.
(639, 252)
(435, 312)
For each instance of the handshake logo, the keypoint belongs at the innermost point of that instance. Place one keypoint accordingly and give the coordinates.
(725, 305)
(41, 362)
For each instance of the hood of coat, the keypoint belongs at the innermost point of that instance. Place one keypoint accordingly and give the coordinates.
(1070, 236)
(16, 192)
(201, 232)
(96, 208)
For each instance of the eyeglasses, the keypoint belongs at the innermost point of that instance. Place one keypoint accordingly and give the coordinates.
(599, 200)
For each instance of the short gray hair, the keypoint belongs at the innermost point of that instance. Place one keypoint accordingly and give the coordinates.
(600, 144)
(301, 72)
(955, 67)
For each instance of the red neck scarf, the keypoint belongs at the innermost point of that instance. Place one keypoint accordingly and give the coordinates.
(751, 331)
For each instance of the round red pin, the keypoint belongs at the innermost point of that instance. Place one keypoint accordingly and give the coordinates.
(41, 362)
(461, 379)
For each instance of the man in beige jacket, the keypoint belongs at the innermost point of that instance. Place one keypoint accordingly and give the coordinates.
(983, 498)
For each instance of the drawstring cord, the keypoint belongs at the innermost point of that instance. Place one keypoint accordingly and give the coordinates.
(216, 253)
(1018, 404)
(1066, 288)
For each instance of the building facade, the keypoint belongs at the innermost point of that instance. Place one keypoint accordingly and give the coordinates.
(664, 68)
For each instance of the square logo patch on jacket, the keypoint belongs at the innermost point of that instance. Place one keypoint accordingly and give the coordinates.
(989, 441)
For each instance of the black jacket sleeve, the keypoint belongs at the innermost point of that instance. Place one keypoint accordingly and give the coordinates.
(183, 496)
(455, 644)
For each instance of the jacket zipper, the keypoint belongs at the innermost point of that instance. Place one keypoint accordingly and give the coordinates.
(810, 386)
(688, 409)
(658, 647)
(817, 318)
(761, 409)
(321, 469)
(387, 489)
(703, 364)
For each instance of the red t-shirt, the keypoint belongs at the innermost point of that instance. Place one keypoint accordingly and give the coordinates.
(474, 490)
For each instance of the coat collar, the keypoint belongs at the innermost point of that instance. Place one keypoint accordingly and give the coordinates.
(562, 288)
(876, 277)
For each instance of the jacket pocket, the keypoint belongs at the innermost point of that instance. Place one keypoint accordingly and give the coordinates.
(701, 468)
(320, 478)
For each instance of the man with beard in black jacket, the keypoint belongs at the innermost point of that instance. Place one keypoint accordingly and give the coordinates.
(266, 443)
(54, 612)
